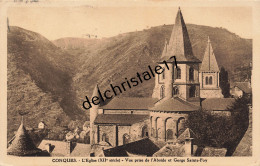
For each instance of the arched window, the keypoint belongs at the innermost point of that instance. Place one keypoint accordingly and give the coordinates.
(191, 74)
(144, 131)
(105, 138)
(162, 92)
(178, 73)
(210, 80)
(175, 91)
(180, 126)
(207, 80)
(169, 134)
(163, 74)
(126, 139)
(192, 91)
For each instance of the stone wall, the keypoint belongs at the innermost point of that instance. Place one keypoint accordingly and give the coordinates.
(122, 130)
(211, 93)
(110, 132)
(167, 126)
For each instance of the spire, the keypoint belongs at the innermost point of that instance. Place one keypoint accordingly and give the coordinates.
(22, 145)
(209, 62)
(179, 44)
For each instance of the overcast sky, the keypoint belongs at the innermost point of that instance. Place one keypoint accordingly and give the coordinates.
(58, 22)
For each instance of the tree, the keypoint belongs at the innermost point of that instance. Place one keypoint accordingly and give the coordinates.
(221, 131)
(223, 82)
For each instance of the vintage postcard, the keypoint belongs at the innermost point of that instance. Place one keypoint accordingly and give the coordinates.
(129, 82)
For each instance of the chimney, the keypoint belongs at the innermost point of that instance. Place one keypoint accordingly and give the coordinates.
(68, 147)
(48, 147)
(188, 147)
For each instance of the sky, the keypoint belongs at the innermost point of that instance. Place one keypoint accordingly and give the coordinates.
(78, 21)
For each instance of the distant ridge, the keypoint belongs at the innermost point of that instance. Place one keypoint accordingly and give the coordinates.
(112, 59)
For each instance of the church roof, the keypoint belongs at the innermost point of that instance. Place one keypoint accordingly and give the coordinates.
(143, 147)
(122, 119)
(22, 145)
(136, 103)
(209, 62)
(179, 44)
(217, 104)
(174, 104)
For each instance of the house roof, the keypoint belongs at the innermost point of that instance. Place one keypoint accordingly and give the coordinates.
(122, 119)
(22, 144)
(135, 103)
(59, 148)
(187, 134)
(178, 150)
(170, 150)
(209, 62)
(143, 147)
(179, 44)
(244, 86)
(213, 152)
(218, 104)
(174, 104)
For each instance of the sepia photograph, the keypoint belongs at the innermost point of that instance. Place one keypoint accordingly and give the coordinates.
(162, 83)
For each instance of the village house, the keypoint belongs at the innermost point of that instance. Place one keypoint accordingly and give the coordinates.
(42, 125)
(239, 89)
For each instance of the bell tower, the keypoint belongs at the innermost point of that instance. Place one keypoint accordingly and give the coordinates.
(183, 81)
(209, 75)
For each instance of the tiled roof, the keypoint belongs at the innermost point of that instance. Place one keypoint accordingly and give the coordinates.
(209, 62)
(244, 86)
(187, 134)
(123, 119)
(179, 151)
(179, 44)
(134, 103)
(174, 104)
(22, 145)
(59, 148)
(176, 150)
(214, 152)
(144, 147)
(217, 104)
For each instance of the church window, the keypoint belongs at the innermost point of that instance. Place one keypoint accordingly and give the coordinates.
(169, 134)
(191, 74)
(144, 131)
(163, 74)
(178, 73)
(210, 80)
(105, 138)
(162, 92)
(126, 139)
(175, 91)
(207, 80)
(181, 126)
(192, 91)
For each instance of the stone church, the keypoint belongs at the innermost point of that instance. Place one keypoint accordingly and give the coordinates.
(177, 92)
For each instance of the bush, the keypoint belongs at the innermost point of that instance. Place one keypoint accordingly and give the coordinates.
(221, 131)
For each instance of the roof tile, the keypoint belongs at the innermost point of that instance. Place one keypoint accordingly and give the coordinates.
(123, 119)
